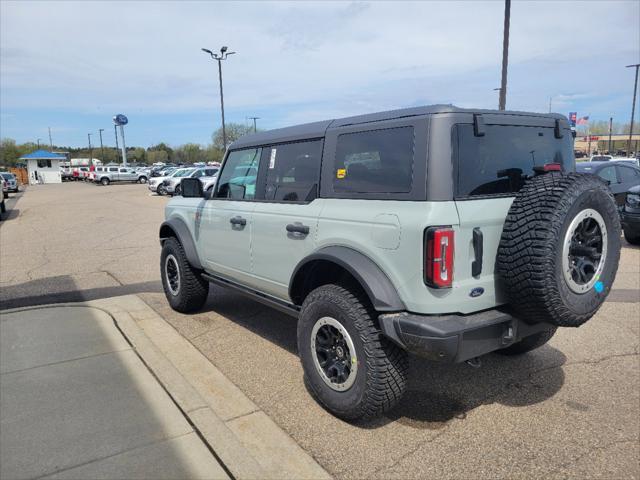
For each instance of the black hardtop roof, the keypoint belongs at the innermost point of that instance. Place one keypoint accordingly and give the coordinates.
(318, 129)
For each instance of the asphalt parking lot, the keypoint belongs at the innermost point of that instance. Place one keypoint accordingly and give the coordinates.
(568, 410)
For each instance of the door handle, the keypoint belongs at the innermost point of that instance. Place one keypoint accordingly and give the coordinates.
(238, 221)
(298, 228)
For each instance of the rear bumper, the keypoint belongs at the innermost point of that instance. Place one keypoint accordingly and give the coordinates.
(456, 338)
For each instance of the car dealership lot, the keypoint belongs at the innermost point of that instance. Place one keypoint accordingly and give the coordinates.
(569, 409)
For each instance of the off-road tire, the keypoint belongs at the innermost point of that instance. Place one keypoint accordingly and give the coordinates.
(104, 181)
(529, 343)
(193, 289)
(382, 367)
(631, 238)
(530, 254)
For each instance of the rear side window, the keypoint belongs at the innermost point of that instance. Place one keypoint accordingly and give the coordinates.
(113, 169)
(293, 171)
(499, 162)
(375, 161)
(238, 177)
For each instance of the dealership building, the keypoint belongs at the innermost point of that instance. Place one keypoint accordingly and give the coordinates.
(43, 166)
(600, 143)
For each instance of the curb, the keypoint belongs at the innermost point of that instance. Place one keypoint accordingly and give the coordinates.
(249, 443)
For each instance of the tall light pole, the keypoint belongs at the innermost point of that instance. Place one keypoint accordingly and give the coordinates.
(90, 150)
(633, 107)
(50, 141)
(219, 57)
(39, 144)
(505, 55)
(255, 128)
(101, 147)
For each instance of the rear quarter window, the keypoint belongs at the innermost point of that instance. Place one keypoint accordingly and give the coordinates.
(499, 162)
(374, 161)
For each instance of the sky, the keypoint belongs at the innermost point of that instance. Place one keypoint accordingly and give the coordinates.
(72, 66)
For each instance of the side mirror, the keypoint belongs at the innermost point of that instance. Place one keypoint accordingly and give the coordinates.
(191, 188)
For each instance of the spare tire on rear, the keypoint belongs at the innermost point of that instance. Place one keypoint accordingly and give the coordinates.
(560, 247)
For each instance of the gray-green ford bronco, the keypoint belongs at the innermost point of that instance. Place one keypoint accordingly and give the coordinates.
(437, 231)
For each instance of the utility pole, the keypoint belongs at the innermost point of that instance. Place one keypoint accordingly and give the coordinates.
(633, 107)
(38, 144)
(255, 129)
(90, 150)
(219, 57)
(610, 128)
(505, 55)
(101, 147)
(50, 141)
(115, 131)
(550, 100)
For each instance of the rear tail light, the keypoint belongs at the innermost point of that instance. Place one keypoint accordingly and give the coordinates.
(439, 250)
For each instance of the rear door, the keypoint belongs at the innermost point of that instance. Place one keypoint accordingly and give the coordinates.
(490, 167)
(224, 230)
(285, 218)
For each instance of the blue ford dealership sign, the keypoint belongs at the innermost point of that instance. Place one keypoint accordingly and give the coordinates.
(120, 119)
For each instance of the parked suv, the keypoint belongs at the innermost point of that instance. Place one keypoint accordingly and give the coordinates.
(437, 231)
(106, 175)
(12, 182)
(172, 184)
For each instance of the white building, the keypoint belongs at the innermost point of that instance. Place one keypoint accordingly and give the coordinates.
(43, 167)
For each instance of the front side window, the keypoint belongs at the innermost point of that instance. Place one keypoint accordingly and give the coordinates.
(376, 161)
(238, 177)
(293, 171)
(608, 174)
(499, 162)
(629, 175)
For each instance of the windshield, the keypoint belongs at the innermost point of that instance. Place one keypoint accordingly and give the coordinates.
(183, 172)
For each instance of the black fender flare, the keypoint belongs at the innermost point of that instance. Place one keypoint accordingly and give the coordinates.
(181, 231)
(376, 284)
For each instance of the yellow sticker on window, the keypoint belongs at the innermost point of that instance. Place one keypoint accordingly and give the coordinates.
(341, 173)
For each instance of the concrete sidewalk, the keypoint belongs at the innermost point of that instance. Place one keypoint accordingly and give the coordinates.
(108, 389)
(77, 402)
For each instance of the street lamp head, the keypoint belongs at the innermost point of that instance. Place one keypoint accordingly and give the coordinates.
(207, 51)
(223, 49)
(230, 53)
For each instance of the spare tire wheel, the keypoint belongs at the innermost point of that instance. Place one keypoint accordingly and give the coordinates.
(560, 247)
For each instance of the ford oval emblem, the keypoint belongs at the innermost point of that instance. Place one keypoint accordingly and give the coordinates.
(476, 292)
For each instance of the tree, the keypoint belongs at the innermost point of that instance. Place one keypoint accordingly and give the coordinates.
(155, 156)
(162, 147)
(234, 132)
(9, 153)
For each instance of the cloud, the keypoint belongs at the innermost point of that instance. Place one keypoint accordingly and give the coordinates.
(309, 60)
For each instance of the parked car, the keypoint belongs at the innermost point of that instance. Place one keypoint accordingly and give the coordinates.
(438, 231)
(619, 176)
(107, 175)
(630, 216)
(600, 158)
(172, 184)
(155, 183)
(629, 161)
(12, 182)
(5, 194)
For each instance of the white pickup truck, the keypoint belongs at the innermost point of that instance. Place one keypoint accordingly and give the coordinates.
(106, 175)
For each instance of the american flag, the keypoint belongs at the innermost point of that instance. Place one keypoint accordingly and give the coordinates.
(583, 120)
